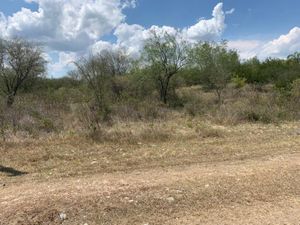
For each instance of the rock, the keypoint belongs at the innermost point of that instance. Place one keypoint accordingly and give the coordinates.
(94, 162)
(63, 216)
(171, 199)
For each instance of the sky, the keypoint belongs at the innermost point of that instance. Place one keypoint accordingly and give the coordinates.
(69, 29)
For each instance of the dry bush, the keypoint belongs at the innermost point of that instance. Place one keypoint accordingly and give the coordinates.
(135, 133)
(196, 101)
(205, 130)
(250, 105)
(29, 117)
(246, 104)
(294, 104)
(86, 119)
(3, 120)
(148, 110)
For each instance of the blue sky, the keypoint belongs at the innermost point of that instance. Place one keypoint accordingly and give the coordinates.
(252, 18)
(72, 28)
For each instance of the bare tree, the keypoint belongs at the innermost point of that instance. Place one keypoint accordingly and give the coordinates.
(96, 71)
(166, 55)
(118, 61)
(20, 61)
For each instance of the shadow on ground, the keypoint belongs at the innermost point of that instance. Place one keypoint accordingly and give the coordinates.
(11, 171)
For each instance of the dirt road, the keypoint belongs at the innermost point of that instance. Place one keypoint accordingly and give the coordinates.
(262, 190)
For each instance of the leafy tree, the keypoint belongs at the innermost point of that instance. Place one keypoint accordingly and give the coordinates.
(216, 63)
(20, 62)
(294, 58)
(250, 70)
(165, 55)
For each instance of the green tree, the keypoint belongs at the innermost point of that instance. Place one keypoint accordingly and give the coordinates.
(216, 63)
(250, 70)
(20, 62)
(294, 58)
(165, 55)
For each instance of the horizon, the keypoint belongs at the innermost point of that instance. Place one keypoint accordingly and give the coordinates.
(71, 29)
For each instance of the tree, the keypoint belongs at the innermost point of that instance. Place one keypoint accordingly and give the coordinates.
(294, 58)
(165, 55)
(20, 61)
(97, 71)
(250, 69)
(118, 61)
(216, 63)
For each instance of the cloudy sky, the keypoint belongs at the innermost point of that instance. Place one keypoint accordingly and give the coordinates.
(72, 28)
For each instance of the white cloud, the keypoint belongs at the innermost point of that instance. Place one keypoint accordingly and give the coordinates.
(71, 28)
(230, 11)
(2, 23)
(70, 25)
(280, 47)
(246, 48)
(284, 45)
(65, 62)
(208, 29)
(132, 37)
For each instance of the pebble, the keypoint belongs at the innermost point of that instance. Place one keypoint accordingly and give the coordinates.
(63, 216)
(170, 199)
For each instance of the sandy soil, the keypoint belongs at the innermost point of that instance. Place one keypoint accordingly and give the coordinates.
(251, 175)
(261, 191)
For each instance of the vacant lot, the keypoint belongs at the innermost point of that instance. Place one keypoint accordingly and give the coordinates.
(181, 172)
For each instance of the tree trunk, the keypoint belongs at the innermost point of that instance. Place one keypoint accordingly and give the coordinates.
(219, 95)
(164, 87)
(10, 100)
(165, 94)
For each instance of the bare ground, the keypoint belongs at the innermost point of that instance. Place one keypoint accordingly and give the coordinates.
(250, 175)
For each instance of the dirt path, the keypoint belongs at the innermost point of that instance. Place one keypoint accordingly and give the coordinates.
(260, 191)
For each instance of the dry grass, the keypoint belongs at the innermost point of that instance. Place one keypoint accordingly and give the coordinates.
(139, 145)
(178, 171)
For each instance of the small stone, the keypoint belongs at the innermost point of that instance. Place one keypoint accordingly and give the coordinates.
(170, 199)
(63, 216)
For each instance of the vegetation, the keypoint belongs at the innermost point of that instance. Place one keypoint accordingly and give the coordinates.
(205, 79)
(20, 62)
(216, 64)
(165, 56)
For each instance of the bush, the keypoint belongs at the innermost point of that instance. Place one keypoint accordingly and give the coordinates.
(196, 101)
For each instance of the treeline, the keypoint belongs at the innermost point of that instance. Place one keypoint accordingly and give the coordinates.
(165, 76)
